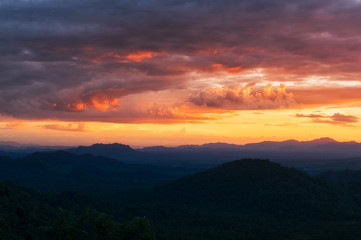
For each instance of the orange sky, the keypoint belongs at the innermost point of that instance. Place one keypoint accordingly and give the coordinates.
(177, 125)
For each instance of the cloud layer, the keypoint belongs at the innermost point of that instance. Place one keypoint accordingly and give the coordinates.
(78, 60)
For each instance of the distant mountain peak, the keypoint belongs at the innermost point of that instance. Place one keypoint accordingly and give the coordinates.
(111, 146)
(290, 141)
(110, 150)
(324, 140)
(62, 153)
(218, 145)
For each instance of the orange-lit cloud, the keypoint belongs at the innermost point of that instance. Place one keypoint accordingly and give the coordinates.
(104, 108)
(101, 100)
(137, 56)
(103, 103)
(108, 55)
(79, 127)
(14, 125)
(141, 55)
(244, 98)
(167, 114)
(218, 67)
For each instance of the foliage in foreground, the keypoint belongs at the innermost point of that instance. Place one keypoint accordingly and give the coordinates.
(27, 214)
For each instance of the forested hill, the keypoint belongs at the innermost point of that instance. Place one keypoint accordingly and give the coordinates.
(249, 199)
(251, 185)
(103, 176)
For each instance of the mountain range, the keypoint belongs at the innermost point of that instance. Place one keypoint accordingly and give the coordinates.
(241, 199)
(314, 156)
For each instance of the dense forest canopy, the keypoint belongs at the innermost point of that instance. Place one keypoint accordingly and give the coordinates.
(247, 199)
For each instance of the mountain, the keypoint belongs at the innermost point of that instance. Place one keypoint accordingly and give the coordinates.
(61, 170)
(316, 145)
(312, 156)
(323, 140)
(62, 160)
(100, 149)
(18, 150)
(243, 199)
(249, 199)
(162, 156)
(251, 185)
(117, 151)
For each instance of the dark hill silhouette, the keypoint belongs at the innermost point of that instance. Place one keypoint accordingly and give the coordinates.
(323, 140)
(117, 151)
(342, 176)
(68, 161)
(61, 170)
(249, 199)
(100, 149)
(252, 185)
(321, 144)
(219, 145)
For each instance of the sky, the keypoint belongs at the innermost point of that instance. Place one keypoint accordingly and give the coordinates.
(172, 72)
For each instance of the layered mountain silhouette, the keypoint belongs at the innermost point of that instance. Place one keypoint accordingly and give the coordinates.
(61, 170)
(117, 151)
(316, 145)
(243, 199)
(314, 156)
(102, 149)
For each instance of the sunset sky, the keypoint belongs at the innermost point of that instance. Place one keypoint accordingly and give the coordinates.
(171, 72)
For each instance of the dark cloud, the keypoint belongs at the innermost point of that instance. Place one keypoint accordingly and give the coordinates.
(312, 116)
(62, 56)
(336, 118)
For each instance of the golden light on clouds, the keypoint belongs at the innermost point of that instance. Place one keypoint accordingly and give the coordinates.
(237, 127)
(162, 74)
